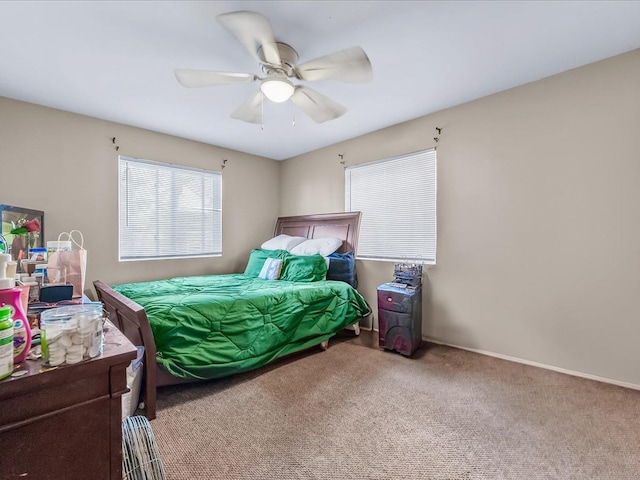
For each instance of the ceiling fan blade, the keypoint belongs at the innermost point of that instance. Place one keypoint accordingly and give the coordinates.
(254, 31)
(319, 107)
(251, 110)
(349, 65)
(208, 78)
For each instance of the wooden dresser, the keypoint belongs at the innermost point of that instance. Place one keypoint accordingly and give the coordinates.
(66, 422)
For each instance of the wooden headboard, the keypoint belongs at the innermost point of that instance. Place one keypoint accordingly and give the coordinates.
(344, 225)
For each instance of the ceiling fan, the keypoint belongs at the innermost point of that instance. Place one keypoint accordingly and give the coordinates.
(279, 64)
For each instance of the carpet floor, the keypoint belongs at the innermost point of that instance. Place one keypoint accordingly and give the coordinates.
(358, 412)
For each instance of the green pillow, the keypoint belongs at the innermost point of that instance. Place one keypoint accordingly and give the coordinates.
(257, 258)
(304, 268)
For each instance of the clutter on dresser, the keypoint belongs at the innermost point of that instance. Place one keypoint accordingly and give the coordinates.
(22, 237)
(18, 334)
(29, 287)
(55, 273)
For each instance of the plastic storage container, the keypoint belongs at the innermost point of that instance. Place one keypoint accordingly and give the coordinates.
(134, 380)
(71, 334)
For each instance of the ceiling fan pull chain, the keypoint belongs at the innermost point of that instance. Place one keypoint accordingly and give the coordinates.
(293, 114)
(262, 113)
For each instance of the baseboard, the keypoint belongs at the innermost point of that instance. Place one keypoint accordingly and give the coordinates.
(539, 365)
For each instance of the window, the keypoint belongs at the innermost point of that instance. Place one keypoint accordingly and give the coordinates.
(168, 211)
(397, 198)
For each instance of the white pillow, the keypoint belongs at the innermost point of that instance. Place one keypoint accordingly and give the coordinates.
(282, 242)
(271, 269)
(324, 246)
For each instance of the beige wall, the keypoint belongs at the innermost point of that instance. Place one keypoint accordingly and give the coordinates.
(538, 203)
(538, 218)
(66, 165)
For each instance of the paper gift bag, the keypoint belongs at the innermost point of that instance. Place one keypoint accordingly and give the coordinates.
(69, 266)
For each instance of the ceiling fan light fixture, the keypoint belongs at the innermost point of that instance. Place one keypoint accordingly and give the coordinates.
(279, 63)
(277, 89)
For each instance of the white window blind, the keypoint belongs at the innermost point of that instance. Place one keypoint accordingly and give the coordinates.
(397, 198)
(168, 211)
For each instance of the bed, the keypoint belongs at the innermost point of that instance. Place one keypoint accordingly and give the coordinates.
(211, 326)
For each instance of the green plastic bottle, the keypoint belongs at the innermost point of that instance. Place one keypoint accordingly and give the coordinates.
(6, 341)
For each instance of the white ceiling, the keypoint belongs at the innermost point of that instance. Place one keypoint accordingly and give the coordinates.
(114, 60)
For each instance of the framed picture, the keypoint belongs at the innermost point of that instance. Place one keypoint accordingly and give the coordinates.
(22, 229)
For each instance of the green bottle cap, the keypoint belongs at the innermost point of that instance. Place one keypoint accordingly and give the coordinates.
(6, 312)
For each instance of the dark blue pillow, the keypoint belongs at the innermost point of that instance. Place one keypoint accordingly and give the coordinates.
(342, 267)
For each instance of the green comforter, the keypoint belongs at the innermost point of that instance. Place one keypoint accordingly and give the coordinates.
(216, 325)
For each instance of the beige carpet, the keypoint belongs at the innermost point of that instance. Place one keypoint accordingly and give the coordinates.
(357, 412)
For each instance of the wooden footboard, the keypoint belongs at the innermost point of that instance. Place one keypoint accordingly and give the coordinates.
(131, 319)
